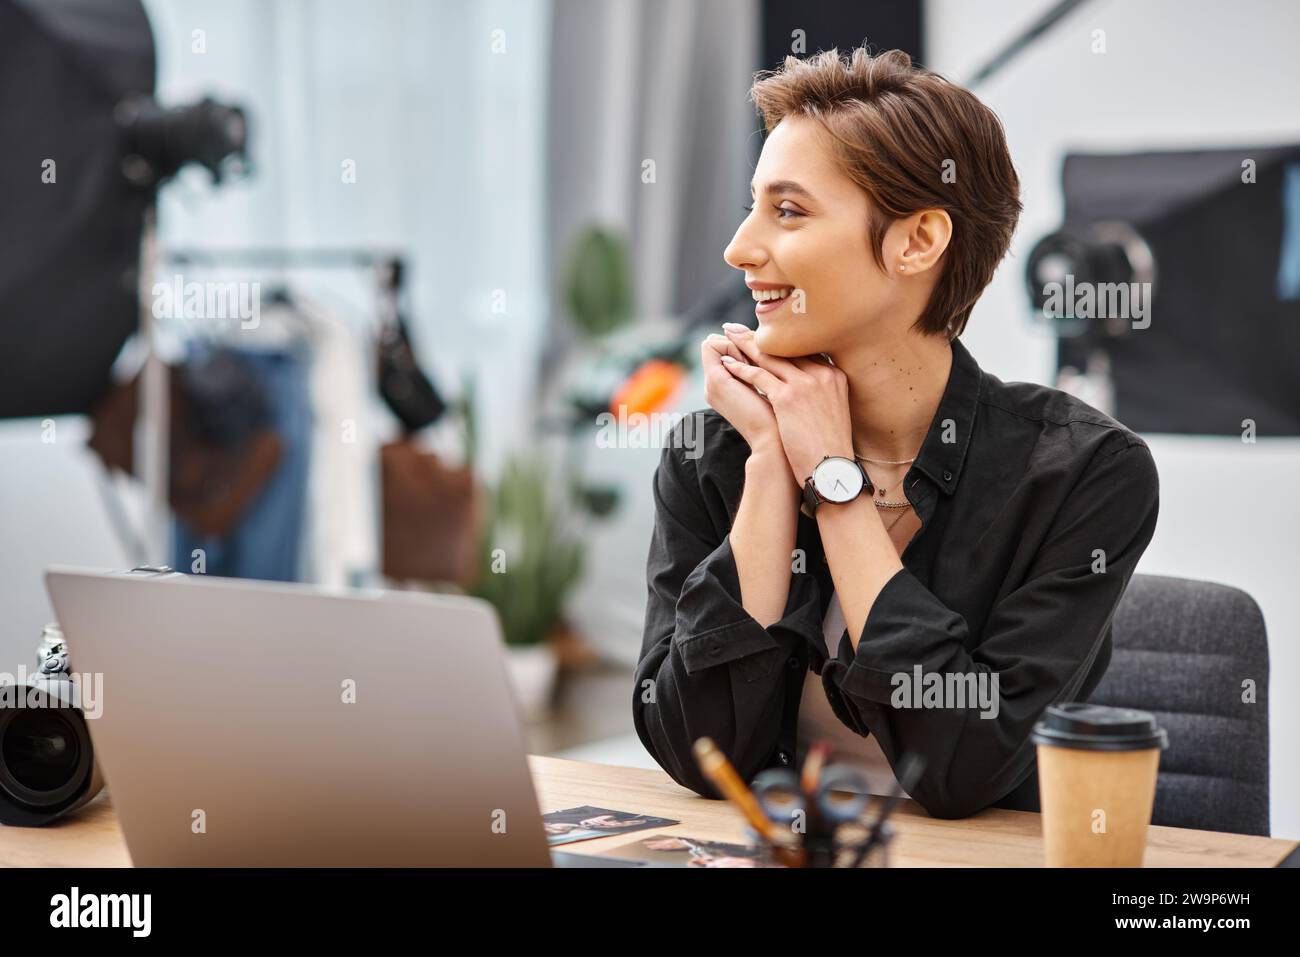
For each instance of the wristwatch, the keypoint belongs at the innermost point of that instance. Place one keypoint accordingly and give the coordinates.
(835, 479)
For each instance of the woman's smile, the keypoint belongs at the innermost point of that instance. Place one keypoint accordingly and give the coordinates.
(770, 305)
(768, 297)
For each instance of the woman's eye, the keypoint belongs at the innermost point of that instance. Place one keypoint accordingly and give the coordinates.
(779, 209)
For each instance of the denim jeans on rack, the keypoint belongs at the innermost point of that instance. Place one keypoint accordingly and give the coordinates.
(266, 539)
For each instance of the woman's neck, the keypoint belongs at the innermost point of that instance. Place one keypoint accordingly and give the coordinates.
(895, 386)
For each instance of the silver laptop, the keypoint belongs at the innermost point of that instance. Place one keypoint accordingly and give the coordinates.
(249, 723)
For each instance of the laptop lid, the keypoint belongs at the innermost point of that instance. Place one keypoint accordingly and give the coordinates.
(255, 723)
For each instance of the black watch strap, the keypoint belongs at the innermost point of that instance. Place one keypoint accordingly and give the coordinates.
(810, 497)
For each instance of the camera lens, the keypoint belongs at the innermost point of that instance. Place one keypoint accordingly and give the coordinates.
(45, 755)
(40, 749)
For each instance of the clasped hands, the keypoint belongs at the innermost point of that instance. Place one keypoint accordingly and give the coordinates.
(803, 408)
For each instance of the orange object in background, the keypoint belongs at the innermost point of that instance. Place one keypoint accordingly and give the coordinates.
(649, 387)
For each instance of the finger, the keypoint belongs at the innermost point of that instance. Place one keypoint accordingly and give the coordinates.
(709, 356)
(743, 338)
(755, 376)
(711, 364)
(724, 346)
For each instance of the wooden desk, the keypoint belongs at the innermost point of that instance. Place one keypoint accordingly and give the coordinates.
(993, 838)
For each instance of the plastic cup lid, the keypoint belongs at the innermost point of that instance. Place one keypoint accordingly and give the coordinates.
(1097, 727)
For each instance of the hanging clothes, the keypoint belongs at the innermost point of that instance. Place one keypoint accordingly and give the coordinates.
(221, 448)
(265, 540)
(341, 542)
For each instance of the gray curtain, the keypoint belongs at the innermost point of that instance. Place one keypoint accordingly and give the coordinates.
(665, 80)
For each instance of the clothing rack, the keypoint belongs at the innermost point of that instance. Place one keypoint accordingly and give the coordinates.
(324, 257)
(389, 265)
(390, 270)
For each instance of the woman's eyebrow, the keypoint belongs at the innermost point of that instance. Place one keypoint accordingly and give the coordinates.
(787, 186)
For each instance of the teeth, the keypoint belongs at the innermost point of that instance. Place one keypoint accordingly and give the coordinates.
(764, 295)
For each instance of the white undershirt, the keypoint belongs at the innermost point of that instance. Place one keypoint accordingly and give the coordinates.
(817, 722)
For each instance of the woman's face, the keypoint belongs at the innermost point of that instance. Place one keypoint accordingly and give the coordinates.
(809, 230)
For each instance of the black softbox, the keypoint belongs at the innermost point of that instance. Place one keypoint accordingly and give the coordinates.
(69, 249)
(1224, 334)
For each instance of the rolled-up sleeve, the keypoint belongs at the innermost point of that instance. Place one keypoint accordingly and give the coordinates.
(707, 667)
(1040, 640)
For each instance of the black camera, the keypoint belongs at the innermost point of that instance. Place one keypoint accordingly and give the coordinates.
(47, 763)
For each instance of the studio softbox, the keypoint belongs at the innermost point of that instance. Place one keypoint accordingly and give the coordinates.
(70, 247)
(1222, 228)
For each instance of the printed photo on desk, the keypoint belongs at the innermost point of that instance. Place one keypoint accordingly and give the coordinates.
(572, 435)
(585, 823)
(683, 851)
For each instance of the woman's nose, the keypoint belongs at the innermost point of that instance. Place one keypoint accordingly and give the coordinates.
(743, 252)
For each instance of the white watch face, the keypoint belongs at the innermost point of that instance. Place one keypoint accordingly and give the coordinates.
(837, 480)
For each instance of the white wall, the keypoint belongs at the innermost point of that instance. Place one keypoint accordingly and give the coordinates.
(1176, 74)
(50, 514)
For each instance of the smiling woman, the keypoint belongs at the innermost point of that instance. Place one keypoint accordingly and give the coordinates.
(878, 141)
(865, 503)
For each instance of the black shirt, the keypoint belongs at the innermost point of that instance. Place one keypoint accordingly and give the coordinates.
(1034, 510)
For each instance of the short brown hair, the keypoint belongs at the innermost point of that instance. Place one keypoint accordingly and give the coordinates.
(894, 126)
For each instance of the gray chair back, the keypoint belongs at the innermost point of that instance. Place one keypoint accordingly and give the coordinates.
(1188, 651)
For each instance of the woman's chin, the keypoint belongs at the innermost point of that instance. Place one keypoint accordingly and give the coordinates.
(776, 341)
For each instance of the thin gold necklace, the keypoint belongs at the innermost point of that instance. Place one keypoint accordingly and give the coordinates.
(884, 461)
(890, 526)
(882, 503)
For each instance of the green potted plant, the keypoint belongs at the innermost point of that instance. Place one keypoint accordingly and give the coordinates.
(598, 283)
(528, 563)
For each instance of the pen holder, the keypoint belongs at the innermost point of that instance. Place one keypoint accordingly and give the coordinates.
(834, 850)
(878, 854)
(824, 807)
(840, 850)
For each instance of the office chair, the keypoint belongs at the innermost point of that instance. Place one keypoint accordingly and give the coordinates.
(1184, 651)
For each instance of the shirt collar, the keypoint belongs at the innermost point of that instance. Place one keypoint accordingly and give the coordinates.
(942, 460)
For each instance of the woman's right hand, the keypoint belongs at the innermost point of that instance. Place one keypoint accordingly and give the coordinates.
(748, 412)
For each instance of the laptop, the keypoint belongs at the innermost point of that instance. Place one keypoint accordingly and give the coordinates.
(249, 723)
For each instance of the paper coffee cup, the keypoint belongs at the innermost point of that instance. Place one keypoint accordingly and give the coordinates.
(1096, 783)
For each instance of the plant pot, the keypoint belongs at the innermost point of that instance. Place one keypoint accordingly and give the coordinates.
(532, 670)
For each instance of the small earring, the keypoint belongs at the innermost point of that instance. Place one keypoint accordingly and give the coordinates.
(901, 267)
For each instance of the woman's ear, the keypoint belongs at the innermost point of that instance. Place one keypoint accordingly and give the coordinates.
(928, 233)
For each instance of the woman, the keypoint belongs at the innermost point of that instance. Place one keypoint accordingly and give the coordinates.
(872, 540)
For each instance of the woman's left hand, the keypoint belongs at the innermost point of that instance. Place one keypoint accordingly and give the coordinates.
(809, 396)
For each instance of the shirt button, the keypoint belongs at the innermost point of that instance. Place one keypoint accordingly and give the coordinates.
(783, 757)
(947, 476)
(792, 663)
